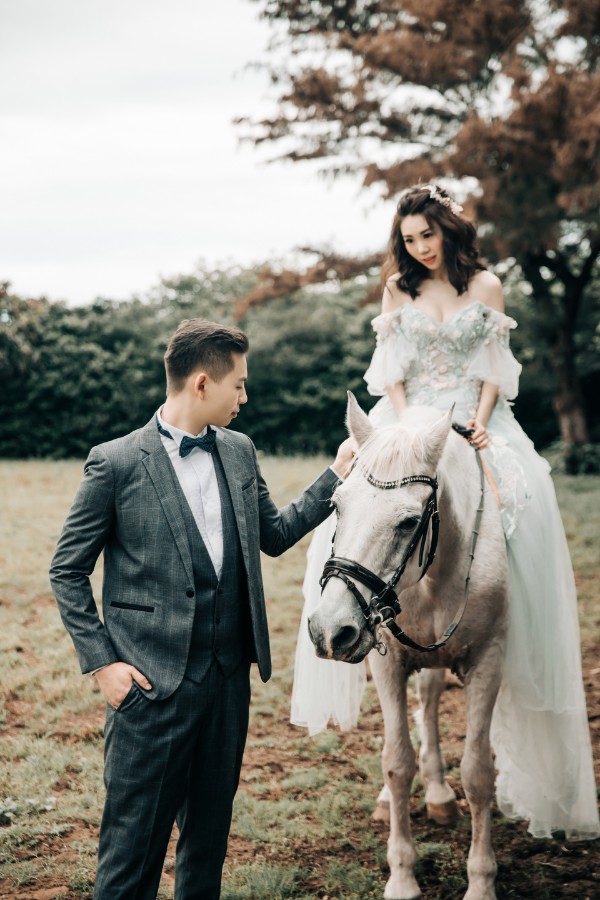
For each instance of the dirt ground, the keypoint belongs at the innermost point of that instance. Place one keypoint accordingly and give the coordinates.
(58, 863)
(528, 869)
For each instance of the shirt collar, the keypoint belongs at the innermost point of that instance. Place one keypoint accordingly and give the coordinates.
(176, 433)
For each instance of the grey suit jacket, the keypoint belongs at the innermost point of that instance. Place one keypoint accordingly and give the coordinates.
(127, 505)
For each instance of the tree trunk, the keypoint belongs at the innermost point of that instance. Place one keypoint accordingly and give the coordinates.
(568, 400)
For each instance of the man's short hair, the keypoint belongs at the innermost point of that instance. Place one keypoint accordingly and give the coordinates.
(202, 345)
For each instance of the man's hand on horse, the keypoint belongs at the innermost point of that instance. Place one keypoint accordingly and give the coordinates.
(345, 455)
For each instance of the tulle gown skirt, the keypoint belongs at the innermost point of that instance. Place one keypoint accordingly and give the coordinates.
(540, 731)
(324, 690)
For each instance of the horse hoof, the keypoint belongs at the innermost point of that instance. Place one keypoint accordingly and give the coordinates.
(402, 888)
(444, 813)
(381, 813)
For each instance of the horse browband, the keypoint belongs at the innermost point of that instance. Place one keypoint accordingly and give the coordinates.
(384, 605)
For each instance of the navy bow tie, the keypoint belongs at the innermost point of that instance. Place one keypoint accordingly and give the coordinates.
(206, 442)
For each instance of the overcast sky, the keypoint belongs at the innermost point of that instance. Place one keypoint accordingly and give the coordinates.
(119, 162)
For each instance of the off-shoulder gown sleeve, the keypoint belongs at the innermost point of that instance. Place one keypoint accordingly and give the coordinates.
(493, 360)
(394, 354)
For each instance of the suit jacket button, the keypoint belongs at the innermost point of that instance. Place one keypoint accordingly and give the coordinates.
(190, 592)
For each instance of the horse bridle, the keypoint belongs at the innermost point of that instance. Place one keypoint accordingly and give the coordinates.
(384, 605)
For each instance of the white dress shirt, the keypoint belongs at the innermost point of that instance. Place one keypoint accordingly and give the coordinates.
(198, 479)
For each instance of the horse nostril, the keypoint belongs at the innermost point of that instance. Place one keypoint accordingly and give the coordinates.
(314, 633)
(345, 637)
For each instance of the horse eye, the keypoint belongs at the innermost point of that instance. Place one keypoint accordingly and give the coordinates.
(408, 524)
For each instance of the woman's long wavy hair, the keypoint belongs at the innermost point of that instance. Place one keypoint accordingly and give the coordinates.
(461, 255)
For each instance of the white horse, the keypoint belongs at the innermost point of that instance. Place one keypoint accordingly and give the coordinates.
(386, 525)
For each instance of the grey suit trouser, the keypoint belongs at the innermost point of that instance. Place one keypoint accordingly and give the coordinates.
(174, 759)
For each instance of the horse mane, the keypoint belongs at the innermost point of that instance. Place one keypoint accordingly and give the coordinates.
(393, 451)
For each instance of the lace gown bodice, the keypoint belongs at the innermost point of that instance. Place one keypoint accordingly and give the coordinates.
(445, 363)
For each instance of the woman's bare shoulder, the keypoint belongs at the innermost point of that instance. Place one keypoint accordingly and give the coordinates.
(487, 288)
(393, 297)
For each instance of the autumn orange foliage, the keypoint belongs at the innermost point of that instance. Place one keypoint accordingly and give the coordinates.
(506, 93)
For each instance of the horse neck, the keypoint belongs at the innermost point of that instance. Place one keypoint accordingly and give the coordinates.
(458, 502)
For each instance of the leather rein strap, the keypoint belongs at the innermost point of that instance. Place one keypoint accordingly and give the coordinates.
(384, 605)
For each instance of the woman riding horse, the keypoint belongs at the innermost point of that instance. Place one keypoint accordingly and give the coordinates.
(443, 339)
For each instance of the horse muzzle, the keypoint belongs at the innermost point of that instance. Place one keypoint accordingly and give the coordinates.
(344, 638)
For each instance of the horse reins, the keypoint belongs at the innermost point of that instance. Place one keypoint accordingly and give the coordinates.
(385, 605)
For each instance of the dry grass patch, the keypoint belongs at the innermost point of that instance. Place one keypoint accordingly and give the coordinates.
(301, 827)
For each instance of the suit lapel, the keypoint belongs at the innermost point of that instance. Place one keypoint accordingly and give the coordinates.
(234, 473)
(160, 470)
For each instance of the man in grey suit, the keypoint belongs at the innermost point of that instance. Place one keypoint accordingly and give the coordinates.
(180, 511)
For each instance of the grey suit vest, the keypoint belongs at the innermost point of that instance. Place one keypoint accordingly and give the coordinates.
(221, 628)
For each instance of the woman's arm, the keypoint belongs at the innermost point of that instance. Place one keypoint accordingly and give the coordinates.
(487, 402)
(392, 300)
(397, 396)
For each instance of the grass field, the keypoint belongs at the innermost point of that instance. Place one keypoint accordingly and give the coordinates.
(301, 827)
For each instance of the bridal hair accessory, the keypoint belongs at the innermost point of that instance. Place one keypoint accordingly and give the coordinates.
(440, 197)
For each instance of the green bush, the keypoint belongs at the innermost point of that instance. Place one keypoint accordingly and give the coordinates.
(71, 378)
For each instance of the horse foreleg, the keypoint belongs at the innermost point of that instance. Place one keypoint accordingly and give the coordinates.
(399, 767)
(439, 796)
(477, 771)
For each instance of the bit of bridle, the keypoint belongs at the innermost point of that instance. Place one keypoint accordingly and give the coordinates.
(384, 605)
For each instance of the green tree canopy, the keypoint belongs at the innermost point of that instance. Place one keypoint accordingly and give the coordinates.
(73, 378)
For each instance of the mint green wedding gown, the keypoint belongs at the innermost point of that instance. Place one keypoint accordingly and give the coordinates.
(540, 730)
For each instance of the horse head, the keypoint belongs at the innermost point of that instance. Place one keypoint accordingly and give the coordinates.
(386, 521)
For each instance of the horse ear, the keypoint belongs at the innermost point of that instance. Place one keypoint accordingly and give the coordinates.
(437, 436)
(357, 421)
